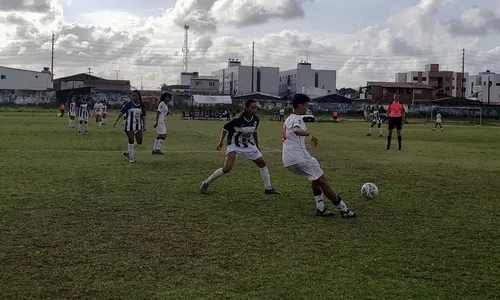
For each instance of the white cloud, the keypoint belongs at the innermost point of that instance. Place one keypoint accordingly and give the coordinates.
(151, 48)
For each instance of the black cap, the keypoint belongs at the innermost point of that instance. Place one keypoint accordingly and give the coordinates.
(300, 99)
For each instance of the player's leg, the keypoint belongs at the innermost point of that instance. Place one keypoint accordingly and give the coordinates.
(264, 173)
(161, 131)
(379, 124)
(371, 128)
(138, 138)
(228, 166)
(130, 153)
(319, 198)
(80, 126)
(391, 126)
(86, 125)
(103, 121)
(399, 127)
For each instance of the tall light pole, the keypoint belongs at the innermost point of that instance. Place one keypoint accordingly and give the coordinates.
(117, 72)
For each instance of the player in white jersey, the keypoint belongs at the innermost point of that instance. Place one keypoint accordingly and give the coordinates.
(161, 127)
(135, 114)
(376, 120)
(439, 122)
(72, 113)
(83, 116)
(297, 159)
(98, 113)
(242, 140)
(104, 111)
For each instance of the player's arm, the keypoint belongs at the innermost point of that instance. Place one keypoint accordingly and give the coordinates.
(403, 112)
(143, 118)
(121, 113)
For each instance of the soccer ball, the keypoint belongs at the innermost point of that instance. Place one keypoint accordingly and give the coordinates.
(369, 190)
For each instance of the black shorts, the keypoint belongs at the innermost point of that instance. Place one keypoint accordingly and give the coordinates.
(395, 123)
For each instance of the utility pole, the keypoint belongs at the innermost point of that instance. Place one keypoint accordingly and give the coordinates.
(52, 58)
(463, 74)
(117, 72)
(90, 80)
(223, 81)
(253, 62)
(141, 84)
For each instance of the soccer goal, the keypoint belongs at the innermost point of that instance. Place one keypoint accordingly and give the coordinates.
(456, 114)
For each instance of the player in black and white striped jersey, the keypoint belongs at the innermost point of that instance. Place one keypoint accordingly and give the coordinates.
(135, 114)
(240, 132)
(72, 113)
(83, 116)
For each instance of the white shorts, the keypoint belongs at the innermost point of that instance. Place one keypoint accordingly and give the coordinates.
(251, 152)
(83, 119)
(98, 115)
(439, 121)
(161, 128)
(72, 115)
(309, 168)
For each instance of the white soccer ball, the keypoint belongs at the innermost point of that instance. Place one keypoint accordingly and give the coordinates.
(369, 190)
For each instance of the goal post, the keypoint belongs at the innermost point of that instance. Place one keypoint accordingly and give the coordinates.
(474, 114)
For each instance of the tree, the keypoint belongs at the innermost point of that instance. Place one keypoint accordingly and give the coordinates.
(164, 87)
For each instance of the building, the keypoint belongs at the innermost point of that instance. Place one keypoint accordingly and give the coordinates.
(236, 79)
(485, 87)
(383, 92)
(197, 84)
(446, 83)
(97, 84)
(18, 79)
(304, 78)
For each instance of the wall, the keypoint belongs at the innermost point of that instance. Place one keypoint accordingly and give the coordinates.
(327, 79)
(269, 80)
(12, 97)
(15, 79)
(204, 85)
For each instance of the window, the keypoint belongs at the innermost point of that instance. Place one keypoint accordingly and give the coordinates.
(497, 84)
(424, 78)
(415, 78)
(3, 77)
(447, 89)
(36, 76)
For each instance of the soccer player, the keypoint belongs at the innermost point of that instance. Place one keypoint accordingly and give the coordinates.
(439, 121)
(161, 127)
(72, 113)
(104, 111)
(376, 121)
(98, 113)
(395, 113)
(240, 132)
(83, 116)
(135, 113)
(297, 159)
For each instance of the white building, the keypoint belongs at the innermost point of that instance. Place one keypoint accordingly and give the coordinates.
(485, 86)
(236, 79)
(304, 78)
(18, 79)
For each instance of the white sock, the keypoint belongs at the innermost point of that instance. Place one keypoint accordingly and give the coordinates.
(69, 122)
(136, 145)
(86, 127)
(264, 173)
(80, 127)
(370, 131)
(131, 151)
(342, 206)
(320, 202)
(155, 145)
(380, 129)
(160, 142)
(215, 175)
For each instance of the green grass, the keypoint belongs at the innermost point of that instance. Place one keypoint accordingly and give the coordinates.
(77, 221)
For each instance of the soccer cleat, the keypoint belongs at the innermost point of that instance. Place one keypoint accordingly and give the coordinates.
(381, 135)
(324, 213)
(271, 191)
(87, 133)
(204, 188)
(348, 214)
(369, 134)
(157, 152)
(131, 161)
(388, 148)
(125, 153)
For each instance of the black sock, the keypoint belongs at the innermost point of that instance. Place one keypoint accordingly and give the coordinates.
(389, 137)
(338, 201)
(399, 141)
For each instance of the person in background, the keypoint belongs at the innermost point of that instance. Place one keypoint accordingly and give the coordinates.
(282, 114)
(335, 116)
(396, 115)
(62, 108)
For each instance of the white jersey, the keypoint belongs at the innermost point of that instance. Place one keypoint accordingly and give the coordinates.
(98, 107)
(163, 110)
(72, 109)
(294, 146)
(439, 118)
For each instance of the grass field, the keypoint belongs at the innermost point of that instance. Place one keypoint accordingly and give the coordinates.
(80, 222)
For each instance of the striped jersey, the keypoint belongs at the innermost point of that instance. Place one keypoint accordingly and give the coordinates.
(104, 108)
(134, 114)
(83, 110)
(72, 109)
(240, 131)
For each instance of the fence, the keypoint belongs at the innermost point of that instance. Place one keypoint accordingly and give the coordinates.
(117, 98)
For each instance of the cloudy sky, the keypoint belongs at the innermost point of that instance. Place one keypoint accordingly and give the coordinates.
(361, 39)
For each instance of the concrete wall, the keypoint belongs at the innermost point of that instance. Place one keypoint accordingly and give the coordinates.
(12, 97)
